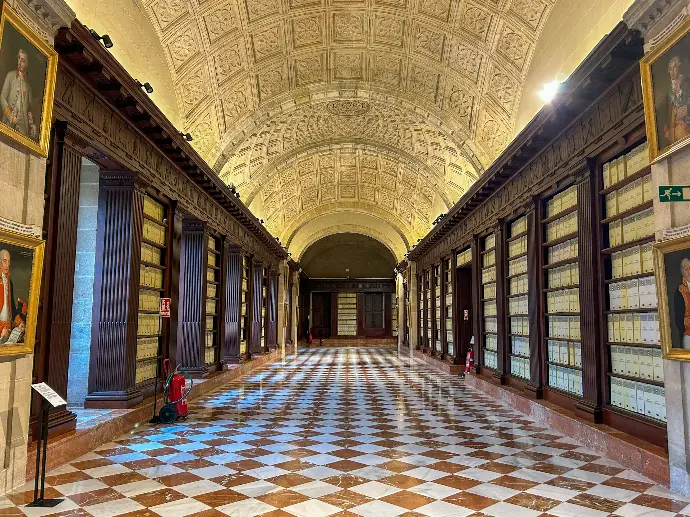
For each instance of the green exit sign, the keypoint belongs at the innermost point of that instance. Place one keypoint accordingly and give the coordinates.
(671, 193)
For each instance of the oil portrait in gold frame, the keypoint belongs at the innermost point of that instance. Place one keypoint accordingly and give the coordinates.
(28, 66)
(21, 266)
(672, 267)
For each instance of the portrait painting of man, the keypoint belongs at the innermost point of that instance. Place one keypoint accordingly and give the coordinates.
(15, 284)
(681, 304)
(666, 90)
(27, 79)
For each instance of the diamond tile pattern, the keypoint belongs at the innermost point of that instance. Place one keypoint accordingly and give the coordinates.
(342, 433)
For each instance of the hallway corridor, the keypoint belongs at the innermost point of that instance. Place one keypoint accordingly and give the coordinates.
(348, 432)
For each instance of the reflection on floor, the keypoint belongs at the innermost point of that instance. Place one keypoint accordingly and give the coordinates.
(346, 432)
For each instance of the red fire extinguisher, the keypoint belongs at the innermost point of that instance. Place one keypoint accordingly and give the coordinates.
(469, 362)
(175, 392)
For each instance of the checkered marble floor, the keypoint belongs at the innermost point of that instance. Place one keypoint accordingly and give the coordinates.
(344, 433)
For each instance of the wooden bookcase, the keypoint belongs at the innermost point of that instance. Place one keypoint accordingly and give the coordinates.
(488, 307)
(152, 282)
(347, 314)
(563, 345)
(421, 342)
(428, 301)
(516, 286)
(264, 306)
(436, 324)
(244, 307)
(448, 307)
(634, 384)
(212, 301)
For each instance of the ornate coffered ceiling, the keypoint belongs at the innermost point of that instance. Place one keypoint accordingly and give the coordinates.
(429, 85)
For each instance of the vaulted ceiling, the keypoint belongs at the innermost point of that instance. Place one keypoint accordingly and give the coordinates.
(387, 107)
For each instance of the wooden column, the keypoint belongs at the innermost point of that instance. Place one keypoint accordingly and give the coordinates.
(191, 326)
(52, 347)
(456, 314)
(232, 285)
(423, 334)
(254, 345)
(290, 301)
(476, 302)
(535, 386)
(175, 240)
(442, 321)
(501, 374)
(388, 314)
(432, 302)
(112, 366)
(272, 310)
(590, 407)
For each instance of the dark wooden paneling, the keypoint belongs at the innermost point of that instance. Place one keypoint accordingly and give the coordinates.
(192, 299)
(535, 385)
(272, 337)
(587, 224)
(476, 304)
(501, 305)
(116, 292)
(51, 360)
(255, 331)
(232, 295)
(170, 345)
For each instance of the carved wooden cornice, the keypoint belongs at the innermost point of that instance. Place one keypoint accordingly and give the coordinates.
(544, 150)
(350, 285)
(79, 51)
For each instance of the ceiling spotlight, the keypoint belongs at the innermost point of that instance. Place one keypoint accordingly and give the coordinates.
(186, 136)
(550, 90)
(145, 86)
(107, 42)
(261, 221)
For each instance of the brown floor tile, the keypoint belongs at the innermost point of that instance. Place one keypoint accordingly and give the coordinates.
(22, 498)
(181, 478)
(346, 465)
(346, 453)
(459, 482)
(165, 495)
(289, 480)
(408, 500)
(397, 466)
(401, 481)
(163, 451)
(97, 496)
(533, 502)
(500, 468)
(122, 479)
(570, 483)
(470, 500)
(659, 503)
(220, 497)
(628, 484)
(345, 481)
(447, 466)
(602, 469)
(345, 499)
(515, 483)
(68, 477)
(596, 503)
(143, 464)
(92, 464)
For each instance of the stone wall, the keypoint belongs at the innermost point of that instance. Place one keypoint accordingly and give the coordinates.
(80, 340)
(22, 184)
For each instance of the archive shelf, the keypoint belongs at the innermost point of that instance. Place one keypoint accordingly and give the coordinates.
(517, 307)
(630, 322)
(212, 301)
(488, 304)
(561, 294)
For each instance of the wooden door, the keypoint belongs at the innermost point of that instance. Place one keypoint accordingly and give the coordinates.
(372, 315)
(321, 315)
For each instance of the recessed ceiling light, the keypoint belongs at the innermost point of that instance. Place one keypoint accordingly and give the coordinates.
(549, 91)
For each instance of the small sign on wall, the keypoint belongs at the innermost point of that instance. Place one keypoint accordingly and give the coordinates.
(465, 315)
(165, 308)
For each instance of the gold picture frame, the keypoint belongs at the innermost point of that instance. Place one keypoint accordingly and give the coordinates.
(16, 35)
(657, 87)
(25, 271)
(668, 261)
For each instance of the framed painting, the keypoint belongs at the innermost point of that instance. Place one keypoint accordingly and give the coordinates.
(21, 266)
(672, 266)
(28, 67)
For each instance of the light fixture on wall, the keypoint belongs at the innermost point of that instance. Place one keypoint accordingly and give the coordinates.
(187, 137)
(145, 86)
(107, 42)
(549, 91)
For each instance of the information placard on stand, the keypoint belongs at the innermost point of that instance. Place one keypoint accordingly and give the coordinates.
(50, 399)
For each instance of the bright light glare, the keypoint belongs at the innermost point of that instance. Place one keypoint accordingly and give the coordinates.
(549, 91)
